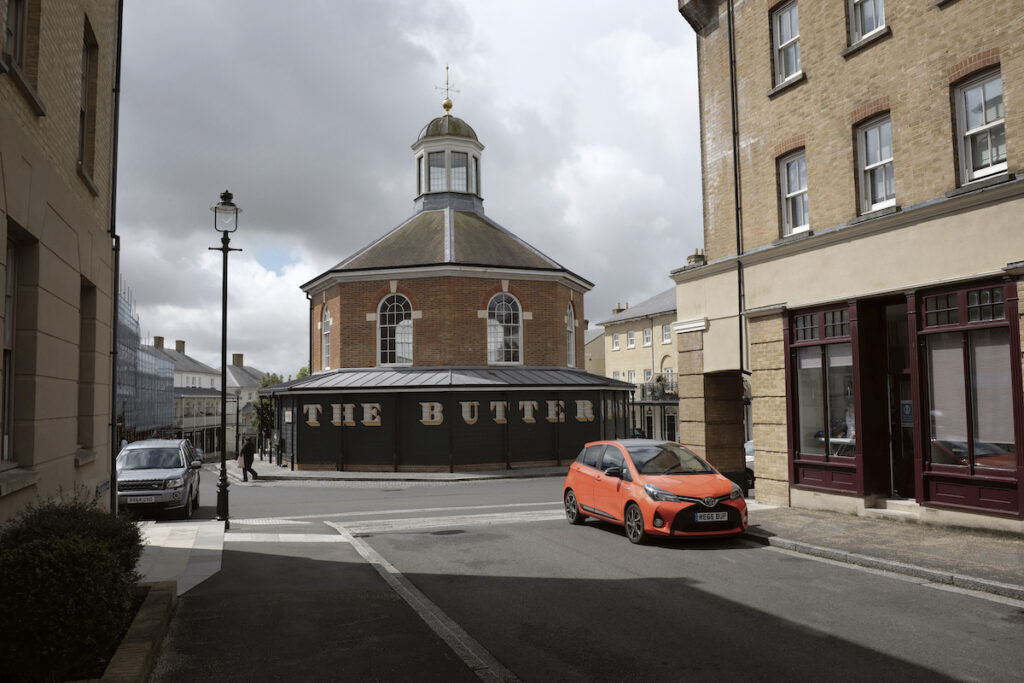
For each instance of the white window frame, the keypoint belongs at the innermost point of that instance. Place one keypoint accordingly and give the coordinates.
(856, 9)
(498, 331)
(631, 339)
(648, 336)
(967, 172)
(875, 128)
(779, 14)
(615, 342)
(787, 194)
(666, 334)
(325, 339)
(631, 376)
(648, 374)
(402, 337)
(616, 374)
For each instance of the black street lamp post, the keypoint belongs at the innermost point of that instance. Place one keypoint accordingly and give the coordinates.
(225, 221)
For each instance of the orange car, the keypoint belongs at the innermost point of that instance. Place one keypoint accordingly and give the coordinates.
(652, 488)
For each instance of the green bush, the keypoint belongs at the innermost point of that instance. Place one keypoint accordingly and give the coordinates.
(67, 571)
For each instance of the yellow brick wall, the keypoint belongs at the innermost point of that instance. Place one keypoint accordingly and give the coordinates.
(768, 393)
(908, 72)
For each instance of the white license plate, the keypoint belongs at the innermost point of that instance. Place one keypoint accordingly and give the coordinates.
(712, 516)
(141, 499)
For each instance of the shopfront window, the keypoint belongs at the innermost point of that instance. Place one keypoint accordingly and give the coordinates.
(826, 414)
(970, 392)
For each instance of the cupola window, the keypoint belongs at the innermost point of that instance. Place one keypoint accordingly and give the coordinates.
(460, 163)
(504, 332)
(437, 172)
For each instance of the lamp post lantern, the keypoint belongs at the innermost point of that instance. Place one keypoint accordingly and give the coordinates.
(225, 221)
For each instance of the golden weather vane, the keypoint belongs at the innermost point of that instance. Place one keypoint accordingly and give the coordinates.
(447, 103)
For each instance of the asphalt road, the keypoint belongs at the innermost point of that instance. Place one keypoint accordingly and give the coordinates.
(548, 601)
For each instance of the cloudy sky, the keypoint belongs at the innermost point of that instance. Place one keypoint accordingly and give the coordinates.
(306, 111)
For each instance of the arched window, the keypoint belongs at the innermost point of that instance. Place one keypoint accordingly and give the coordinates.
(394, 320)
(570, 333)
(504, 332)
(325, 340)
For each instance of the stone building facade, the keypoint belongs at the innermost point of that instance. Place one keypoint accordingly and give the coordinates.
(863, 254)
(58, 65)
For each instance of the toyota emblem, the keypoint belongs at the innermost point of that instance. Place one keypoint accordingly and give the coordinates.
(709, 502)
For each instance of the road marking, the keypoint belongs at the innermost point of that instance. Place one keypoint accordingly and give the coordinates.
(271, 521)
(417, 523)
(399, 511)
(282, 538)
(478, 659)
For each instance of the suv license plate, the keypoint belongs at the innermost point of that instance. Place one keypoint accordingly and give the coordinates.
(712, 516)
(141, 499)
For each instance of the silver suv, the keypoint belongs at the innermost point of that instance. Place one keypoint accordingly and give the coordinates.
(157, 475)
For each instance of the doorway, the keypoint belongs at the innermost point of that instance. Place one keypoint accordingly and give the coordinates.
(901, 411)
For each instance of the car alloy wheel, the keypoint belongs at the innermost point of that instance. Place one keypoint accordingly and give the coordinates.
(635, 524)
(572, 510)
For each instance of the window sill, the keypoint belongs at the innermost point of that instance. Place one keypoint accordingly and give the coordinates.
(866, 41)
(83, 457)
(87, 179)
(787, 84)
(871, 215)
(20, 80)
(17, 479)
(793, 237)
(975, 185)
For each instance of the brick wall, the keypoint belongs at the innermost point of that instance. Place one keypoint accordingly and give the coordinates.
(450, 330)
(768, 393)
(909, 71)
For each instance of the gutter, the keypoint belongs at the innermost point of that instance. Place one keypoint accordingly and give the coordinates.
(116, 247)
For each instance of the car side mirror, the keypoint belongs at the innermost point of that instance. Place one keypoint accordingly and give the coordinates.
(614, 471)
(196, 464)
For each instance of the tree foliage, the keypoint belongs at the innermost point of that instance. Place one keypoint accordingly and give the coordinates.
(263, 409)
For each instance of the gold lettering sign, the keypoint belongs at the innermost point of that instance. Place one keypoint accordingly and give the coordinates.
(433, 413)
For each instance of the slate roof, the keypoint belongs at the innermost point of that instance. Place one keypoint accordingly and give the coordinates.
(182, 363)
(656, 305)
(407, 378)
(244, 376)
(592, 335)
(448, 236)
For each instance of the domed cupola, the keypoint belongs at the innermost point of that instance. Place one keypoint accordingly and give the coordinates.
(447, 154)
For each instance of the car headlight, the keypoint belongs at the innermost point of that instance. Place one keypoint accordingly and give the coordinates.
(661, 495)
(736, 492)
(175, 483)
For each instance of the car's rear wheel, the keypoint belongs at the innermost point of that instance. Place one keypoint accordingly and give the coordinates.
(635, 531)
(572, 508)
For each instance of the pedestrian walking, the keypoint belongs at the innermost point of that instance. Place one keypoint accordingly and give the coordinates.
(248, 453)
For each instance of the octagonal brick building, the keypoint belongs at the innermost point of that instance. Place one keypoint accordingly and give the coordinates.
(447, 343)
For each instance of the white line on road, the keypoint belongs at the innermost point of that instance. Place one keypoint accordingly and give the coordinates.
(417, 523)
(399, 511)
(483, 664)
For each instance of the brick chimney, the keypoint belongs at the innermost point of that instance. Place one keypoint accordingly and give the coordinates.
(179, 346)
(236, 360)
(697, 258)
(619, 308)
(158, 342)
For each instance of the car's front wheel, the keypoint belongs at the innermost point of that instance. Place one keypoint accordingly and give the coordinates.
(635, 531)
(186, 510)
(572, 508)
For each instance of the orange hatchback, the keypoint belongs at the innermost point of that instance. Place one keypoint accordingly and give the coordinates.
(652, 488)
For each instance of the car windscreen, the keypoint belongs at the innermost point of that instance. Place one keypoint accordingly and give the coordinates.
(667, 458)
(150, 459)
